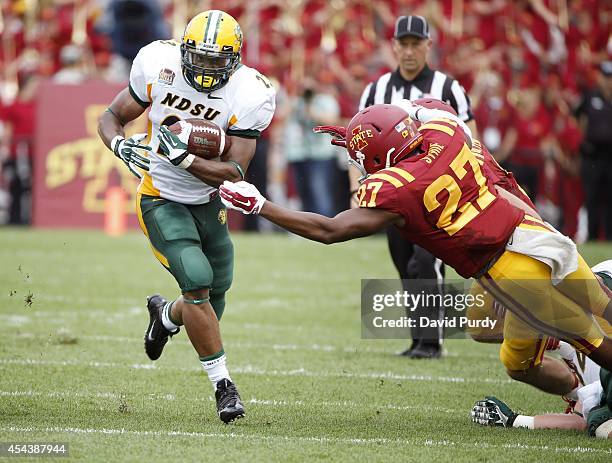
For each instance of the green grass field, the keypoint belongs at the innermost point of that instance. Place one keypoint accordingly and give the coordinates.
(73, 368)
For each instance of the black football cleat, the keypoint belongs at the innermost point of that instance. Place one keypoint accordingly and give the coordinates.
(408, 352)
(229, 406)
(156, 336)
(426, 351)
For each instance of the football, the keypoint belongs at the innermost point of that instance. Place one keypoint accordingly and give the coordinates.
(207, 140)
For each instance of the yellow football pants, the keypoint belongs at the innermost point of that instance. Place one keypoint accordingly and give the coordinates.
(537, 309)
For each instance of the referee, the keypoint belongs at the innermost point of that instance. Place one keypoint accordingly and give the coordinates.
(413, 79)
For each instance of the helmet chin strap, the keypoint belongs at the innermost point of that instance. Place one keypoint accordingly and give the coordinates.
(389, 153)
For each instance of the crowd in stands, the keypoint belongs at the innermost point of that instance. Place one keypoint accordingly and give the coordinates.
(529, 67)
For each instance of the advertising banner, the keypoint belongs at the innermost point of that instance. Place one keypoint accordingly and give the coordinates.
(72, 168)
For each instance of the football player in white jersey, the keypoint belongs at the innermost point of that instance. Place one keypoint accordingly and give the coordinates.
(178, 207)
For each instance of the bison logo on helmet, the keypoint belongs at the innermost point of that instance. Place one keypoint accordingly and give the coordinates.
(238, 34)
(358, 140)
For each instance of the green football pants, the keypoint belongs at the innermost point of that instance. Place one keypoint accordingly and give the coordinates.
(192, 242)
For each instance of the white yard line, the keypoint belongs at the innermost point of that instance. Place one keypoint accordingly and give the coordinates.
(77, 395)
(252, 401)
(254, 370)
(262, 345)
(273, 403)
(315, 439)
(103, 316)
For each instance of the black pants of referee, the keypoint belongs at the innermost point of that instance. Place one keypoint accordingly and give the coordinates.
(596, 181)
(414, 264)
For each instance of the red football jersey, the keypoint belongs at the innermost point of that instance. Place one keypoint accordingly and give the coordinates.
(447, 199)
(499, 175)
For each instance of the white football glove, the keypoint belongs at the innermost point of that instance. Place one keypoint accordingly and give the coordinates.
(174, 146)
(241, 196)
(128, 151)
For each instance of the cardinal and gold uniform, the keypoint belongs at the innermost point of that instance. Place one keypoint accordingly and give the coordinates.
(451, 208)
(533, 352)
(500, 176)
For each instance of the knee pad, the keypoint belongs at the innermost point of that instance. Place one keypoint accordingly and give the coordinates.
(192, 270)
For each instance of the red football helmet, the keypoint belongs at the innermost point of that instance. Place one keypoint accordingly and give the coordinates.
(432, 103)
(379, 137)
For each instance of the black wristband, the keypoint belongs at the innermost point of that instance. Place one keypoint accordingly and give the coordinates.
(116, 116)
(238, 168)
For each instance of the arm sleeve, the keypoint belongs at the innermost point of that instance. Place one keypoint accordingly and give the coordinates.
(253, 112)
(139, 80)
(378, 193)
(458, 99)
(364, 96)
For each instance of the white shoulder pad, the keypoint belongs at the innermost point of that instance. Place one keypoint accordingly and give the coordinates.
(253, 103)
(147, 65)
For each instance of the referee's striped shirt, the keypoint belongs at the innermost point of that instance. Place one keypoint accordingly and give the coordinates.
(391, 87)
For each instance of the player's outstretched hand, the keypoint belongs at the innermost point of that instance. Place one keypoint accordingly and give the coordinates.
(127, 149)
(241, 196)
(336, 131)
(493, 412)
(174, 146)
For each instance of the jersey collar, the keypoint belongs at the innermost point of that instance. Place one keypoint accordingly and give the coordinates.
(399, 82)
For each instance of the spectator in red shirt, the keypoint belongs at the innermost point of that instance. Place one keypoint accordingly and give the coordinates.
(522, 147)
(490, 108)
(19, 120)
(567, 155)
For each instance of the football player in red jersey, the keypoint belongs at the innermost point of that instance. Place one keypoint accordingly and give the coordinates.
(429, 183)
(500, 176)
(565, 376)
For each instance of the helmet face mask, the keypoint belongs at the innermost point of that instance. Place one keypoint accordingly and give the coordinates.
(210, 50)
(358, 164)
(207, 71)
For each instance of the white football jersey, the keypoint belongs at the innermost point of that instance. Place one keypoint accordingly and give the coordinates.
(242, 107)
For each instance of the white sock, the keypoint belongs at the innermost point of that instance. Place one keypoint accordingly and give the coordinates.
(523, 421)
(604, 430)
(216, 369)
(166, 318)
